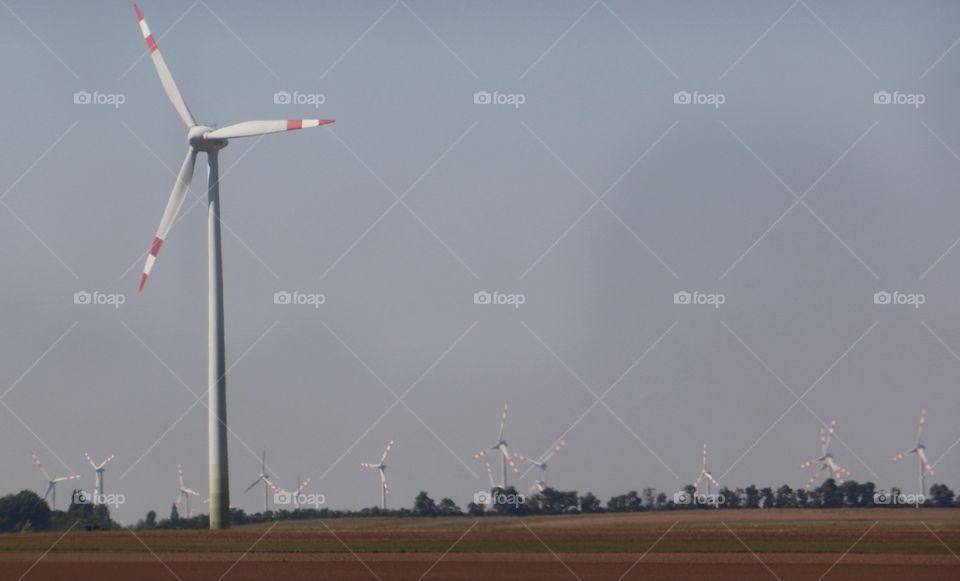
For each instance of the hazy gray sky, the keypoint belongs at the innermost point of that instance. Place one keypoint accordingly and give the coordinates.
(695, 197)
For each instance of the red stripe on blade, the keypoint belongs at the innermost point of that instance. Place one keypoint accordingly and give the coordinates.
(143, 281)
(151, 44)
(155, 249)
(294, 124)
(139, 14)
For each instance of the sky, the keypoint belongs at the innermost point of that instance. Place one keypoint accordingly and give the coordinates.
(781, 162)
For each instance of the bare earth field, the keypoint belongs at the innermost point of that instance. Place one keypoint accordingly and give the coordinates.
(875, 544)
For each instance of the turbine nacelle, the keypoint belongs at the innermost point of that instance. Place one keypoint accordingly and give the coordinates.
(197, 136)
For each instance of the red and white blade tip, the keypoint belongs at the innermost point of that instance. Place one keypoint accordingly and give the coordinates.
(151, 258)
(294, 124)
(147, 35)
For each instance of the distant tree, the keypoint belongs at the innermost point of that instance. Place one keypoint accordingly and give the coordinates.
(731, 498)
(751, 497)
(785, 497)
(24, 511)
(661, 500)
(590, 503)
(449, 508)
(151, 520)
(174, 513)
(423, 505)
(629, 502)
(941, 495)
(830, 494)
(553, 501)
(803, 499)
(474, 509)
(767, 499)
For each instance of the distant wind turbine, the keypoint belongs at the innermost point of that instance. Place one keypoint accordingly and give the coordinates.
(500, 446)
(381, 468)
(923, 465)
(98, 469)
(52, 483)
(825, 462)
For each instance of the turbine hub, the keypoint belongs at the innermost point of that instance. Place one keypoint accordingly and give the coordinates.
(197, 138)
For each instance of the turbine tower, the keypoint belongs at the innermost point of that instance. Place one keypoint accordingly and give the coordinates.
(185, 493)
(208, 140)
(923, 465)
(52, 483)
(265, 478)
(825, 460)
(98, 479)
(381, 468)
(706, 477)
(541, 465)
(501, 446)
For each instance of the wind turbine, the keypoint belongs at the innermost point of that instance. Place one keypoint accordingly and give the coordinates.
(98, 479)
(208, 140)
(541, 465)
(265, 478)
(381, 467)
(52, 483)
(185, 493)
(826, 461)
(923, 465)
(501, 445)
(706, 477)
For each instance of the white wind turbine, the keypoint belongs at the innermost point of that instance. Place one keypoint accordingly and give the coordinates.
(52, 483)
(501, 446)
(541, 465)
(923, 465)
(265, 478)
(381, 468)
(98, 469)
(825, 461)
(208, 140)
(185, 493)
(706, 477)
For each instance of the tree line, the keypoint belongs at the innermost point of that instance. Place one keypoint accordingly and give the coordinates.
(26, 511)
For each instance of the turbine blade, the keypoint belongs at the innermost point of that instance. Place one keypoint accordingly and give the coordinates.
(253, 128)
(180, 474)
(40, 466)
(166, 79)
(386, 451)
(923, 420)
(170, 212)
(90, 460)
(503, 421)
(255, 482)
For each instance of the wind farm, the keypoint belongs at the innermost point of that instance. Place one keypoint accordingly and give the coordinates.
(483, 325)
